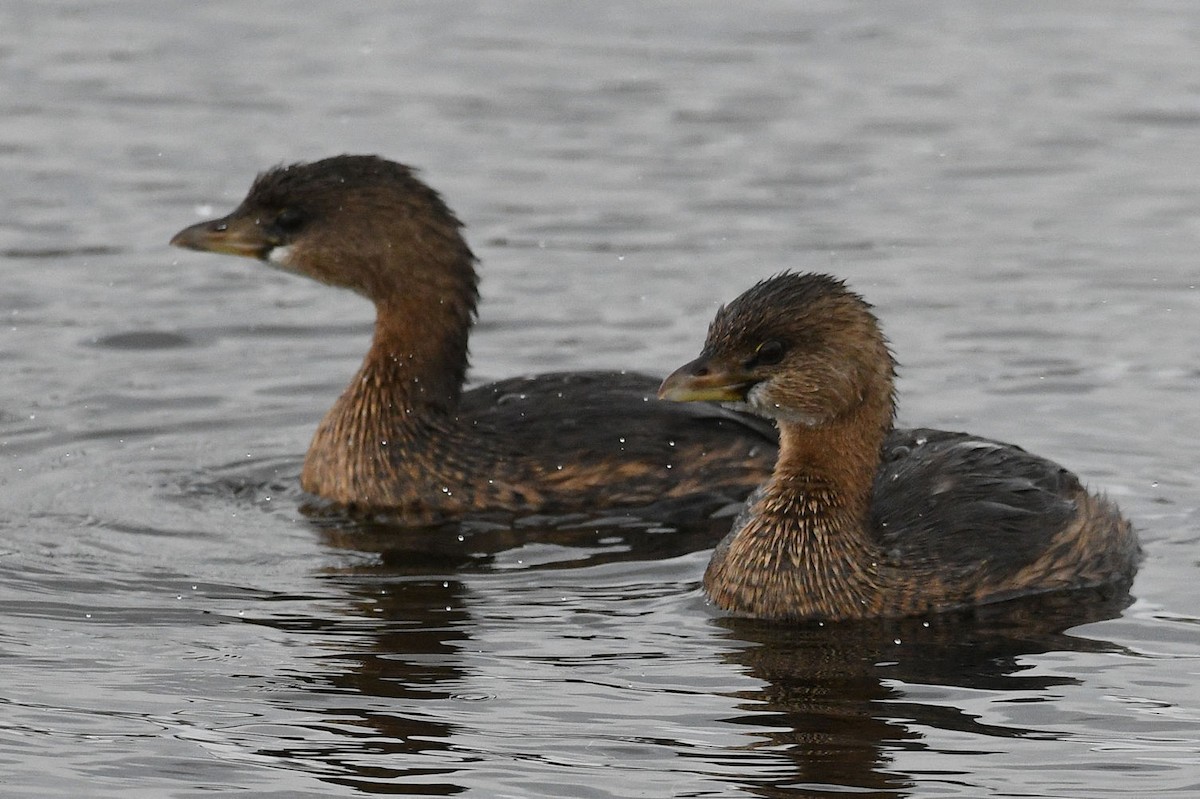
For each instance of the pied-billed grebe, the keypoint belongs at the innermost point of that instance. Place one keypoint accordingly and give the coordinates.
(404, 437)
(861, 520)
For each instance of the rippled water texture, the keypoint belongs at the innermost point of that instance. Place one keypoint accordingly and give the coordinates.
(1015, 186)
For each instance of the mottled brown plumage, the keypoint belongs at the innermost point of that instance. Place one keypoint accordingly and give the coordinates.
(404, 437)
(860, 520)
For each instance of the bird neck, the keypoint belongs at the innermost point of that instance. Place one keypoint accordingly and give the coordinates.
(806, 549)
(822, 484)
(425, 290)
(408, 388)
(417, 361)
(834, 463)
(392, 428)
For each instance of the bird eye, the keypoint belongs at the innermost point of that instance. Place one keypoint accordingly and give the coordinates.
(289, 220)
(769, 353)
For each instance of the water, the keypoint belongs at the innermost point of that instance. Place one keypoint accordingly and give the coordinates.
(1014, 186)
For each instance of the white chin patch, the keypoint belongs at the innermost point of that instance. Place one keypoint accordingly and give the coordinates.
(756, 401)
(281, 257)
(759, 404)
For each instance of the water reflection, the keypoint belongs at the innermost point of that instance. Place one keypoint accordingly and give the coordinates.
(533, 542)
(834, 704)
(368, 727)
(838, 698)
(403, 668)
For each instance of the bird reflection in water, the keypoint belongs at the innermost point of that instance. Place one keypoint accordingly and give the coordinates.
(835, 704)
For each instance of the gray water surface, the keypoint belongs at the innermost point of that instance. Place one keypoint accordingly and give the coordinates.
(1015, 186)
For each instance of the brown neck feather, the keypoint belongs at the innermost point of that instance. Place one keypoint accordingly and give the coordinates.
(821, 486)
(399, 410)
(807, 549)
(420, 347)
